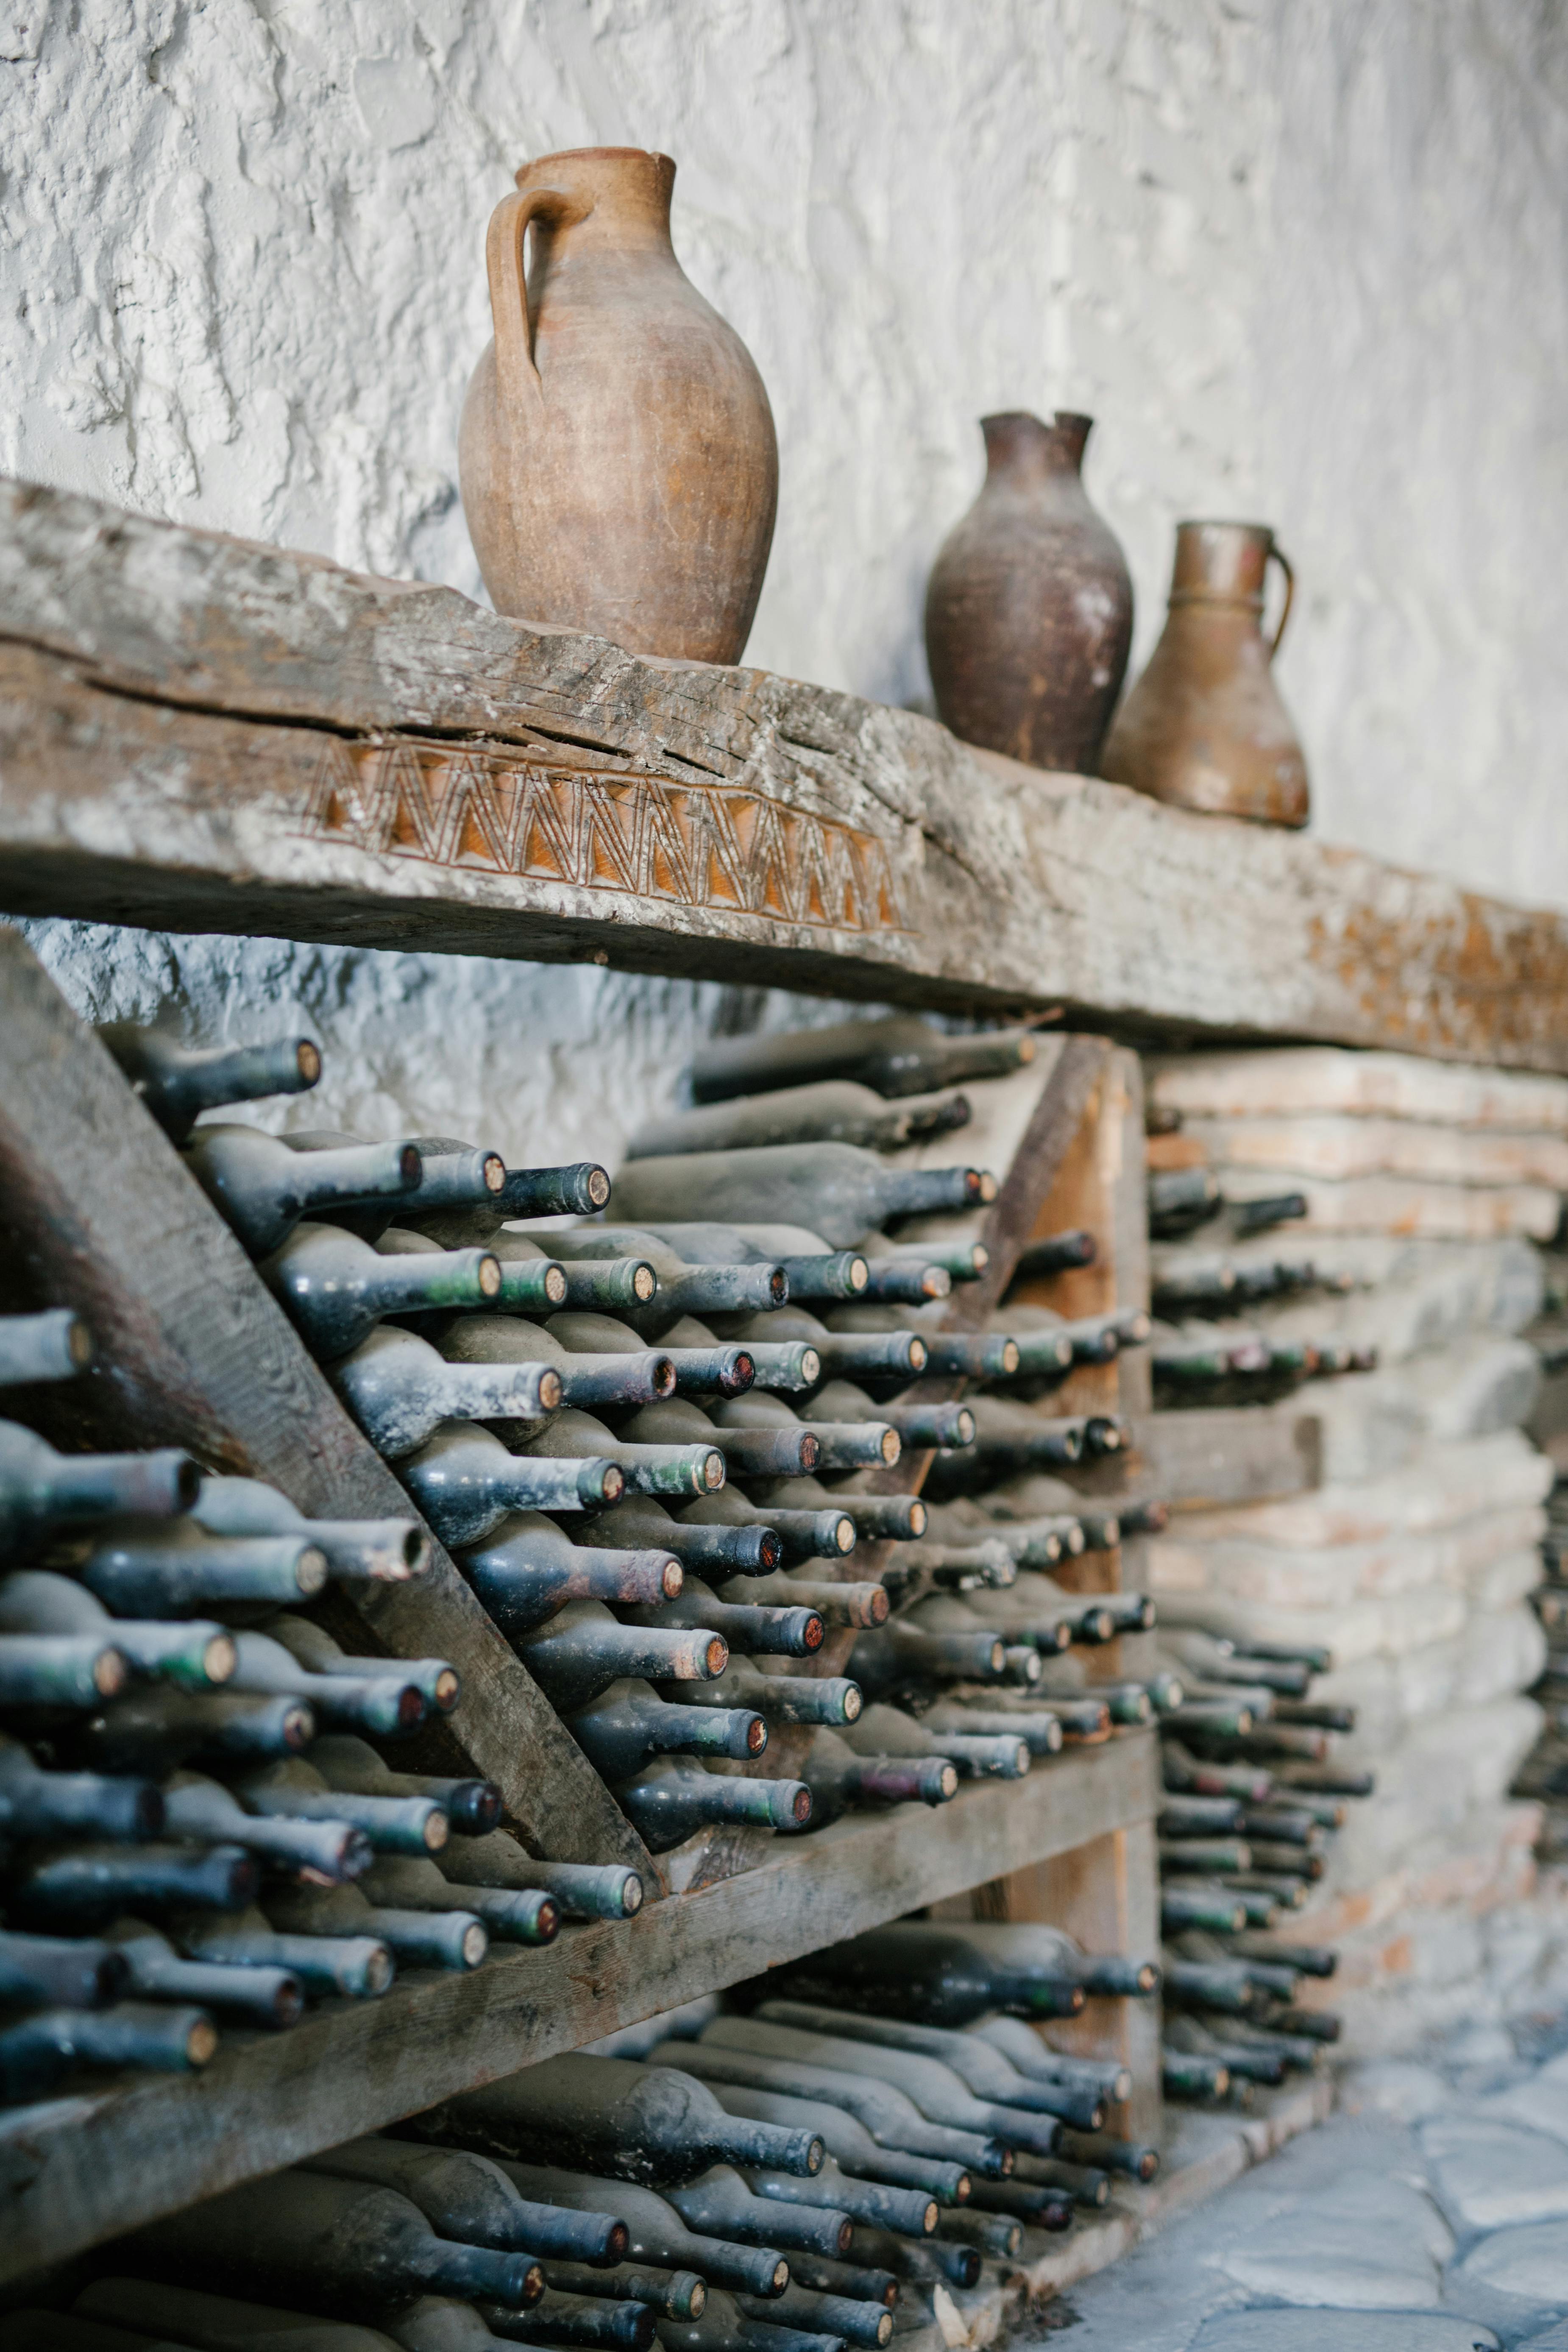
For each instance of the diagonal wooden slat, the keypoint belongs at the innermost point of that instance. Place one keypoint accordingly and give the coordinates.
(97, 1212)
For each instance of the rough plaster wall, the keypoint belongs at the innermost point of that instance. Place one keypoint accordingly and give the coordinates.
(1303, 258)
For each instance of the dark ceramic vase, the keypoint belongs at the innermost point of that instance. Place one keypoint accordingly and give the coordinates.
(1029, 607)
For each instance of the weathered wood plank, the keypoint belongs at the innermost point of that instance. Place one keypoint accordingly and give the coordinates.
(83, 2168)
(201, 732)
(97, 1212)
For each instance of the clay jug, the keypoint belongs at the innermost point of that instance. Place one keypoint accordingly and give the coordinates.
(618, 465)
(1205, 726)
(1029, 609)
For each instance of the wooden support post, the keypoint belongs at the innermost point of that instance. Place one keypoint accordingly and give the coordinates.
(98, 1213)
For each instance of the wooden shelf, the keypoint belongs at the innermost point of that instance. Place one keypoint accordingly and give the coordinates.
(84, 2168)
(204, 734)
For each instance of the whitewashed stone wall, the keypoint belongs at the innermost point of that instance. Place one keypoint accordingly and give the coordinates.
(1304, 258)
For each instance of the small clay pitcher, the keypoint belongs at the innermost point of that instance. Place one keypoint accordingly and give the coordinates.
(1205, 726)
(1029, 609)
(617, 460)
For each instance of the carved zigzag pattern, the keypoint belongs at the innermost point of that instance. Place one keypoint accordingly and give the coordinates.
(641, 835)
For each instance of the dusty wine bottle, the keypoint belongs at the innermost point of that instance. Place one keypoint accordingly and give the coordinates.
(88, 1885)
(656, 2231)
(447, 1938)
(669, 2294)
(466, 1482)
(668, 1803)
(272, 1998)
(947, 1975)
(582, 1650)
(801, 1535)
(378, 1551)
(839, 1189)
(263, 1188)
(589, 2319)
(1039, 1729)
(1039, 2063)
(842, 1442)
(723, 2205)
(778, 1698)
(336, 1288)
(643, 2123)
(579, 1890)
(387, 1707)
(836, 1605)
(682, 1288)
(650, 1469)
(1055, 1254)
(436, 1681)
(890, 2116)
(156, 1731)
(205, 1812)
(472, 1806)
(884, 1730)
(714, 1549)
(981, 2065)
(528, 1280)
(850, 2147)
(472, 2199)
(215, 2321)
(881, 1354)
(708, 1369)
(56, 1972)
(528, 1569)
(898, 1054)
(295, 1791)
(608, 1378)
(176, 1083)
(345, 2245)
(53, 1346)
(195, 1655)
(359, 1968)
(41, 1490)
(773, 1632)
(43, 2048)
(400, 1390)
(842, 1778)
(783, 1366)
(835, 1110)
(779, 1448)
(177, 1567)
(628, 1725)
(896, 1654)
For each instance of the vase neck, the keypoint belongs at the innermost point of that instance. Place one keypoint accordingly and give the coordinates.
(1020, 446)
(1221, 563)
(623, 194)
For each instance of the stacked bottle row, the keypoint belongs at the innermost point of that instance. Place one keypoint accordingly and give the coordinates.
(1210, 1348)
(1253, 1798)
(200, 1828)
(800, 2177)
(1543, 1775)
(641, 1439)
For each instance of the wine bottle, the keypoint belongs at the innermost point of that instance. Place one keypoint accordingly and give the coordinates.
(669, 2294)
(870, 2163)
(148, 1575)
(450, 1939)
(1181, 1198)
(205, 1812)
(884, 1730)
(971, 1355)
(887, 2112)
(945, 1975)
(725, 2327)
(578, 1190)
(336, 1288)
(466, 1482)
(53, 1346)
(777, 1698)
(1195, 1904)
(472, 2199)
(355, 1966)
(377, 1551)
(1009, 1439)
(1034, 1608)
(836, 1605)
(263, 1187)
(911, 2211)
(176, 1083)
(714, 1549)
(933, 1425)
(472, 1807)
(341, 1702)
(835, 1110)
(579, 1890)
(722, 2204)
(399, 1390)
(1039, 2064)
(801, 1535)
(707, 1369)
(880, 1354)
(668, 1803)
(343, 2245)
(435, 1680)
(192, 1656)
(59, 1669)
(605, 1378)
(1050, 2180)
(983, 2067)
(960, 1258)
(1039, 1729)
(528, 1569)
(56, 1972)
(529, 1281)
(155, 1731)
(509, 1913)
(847, 1444)
(896, 1280)
(826, 2316)
(778, 1449)
(838, 1189)
(1097, 2148)
(61, 1887)
(643, 2123)
(923, 2265)
(895, 1518)
(41, 1490)
(989, 2233)
(744, 1287)
(893, 1657)
(783, 1365)
(650, 1469)
(628, 1725)
(655, 2231)
(811, 1269)
(896, 1055)
(573, 2319)
(581, 1651)
(841, 1781)
(42, 2049)
(272, 1998)
(1055, 1254)
(774, 1630)
(941, 2096)
(216, 2323)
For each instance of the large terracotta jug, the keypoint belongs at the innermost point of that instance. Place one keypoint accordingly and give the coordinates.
(1029, 609)
(1205, 726)
(618, 465)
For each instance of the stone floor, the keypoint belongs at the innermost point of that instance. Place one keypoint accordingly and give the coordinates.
(1429, 2214)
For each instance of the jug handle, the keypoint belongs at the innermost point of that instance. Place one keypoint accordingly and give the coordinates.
(504, 242)
(1278, 556)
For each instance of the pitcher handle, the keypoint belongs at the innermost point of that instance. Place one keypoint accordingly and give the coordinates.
(1283, 560)
(504, 242)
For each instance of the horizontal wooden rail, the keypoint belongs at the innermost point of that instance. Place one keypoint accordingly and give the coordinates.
(206, 734)
(84, 2168)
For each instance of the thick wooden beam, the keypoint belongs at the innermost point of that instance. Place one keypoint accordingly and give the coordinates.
(97, 1212)
(83, 2168)
(209, 735)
